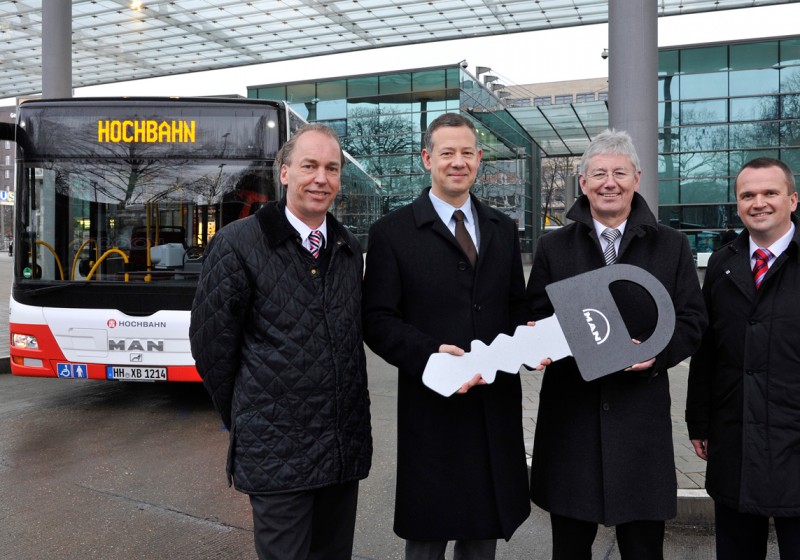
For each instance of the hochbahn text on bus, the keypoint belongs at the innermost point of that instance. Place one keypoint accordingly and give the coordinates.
(116, 200)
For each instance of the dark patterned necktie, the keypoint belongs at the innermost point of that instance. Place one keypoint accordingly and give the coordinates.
(315, 242)
(762, 257)
(464, 239)
(610, 253)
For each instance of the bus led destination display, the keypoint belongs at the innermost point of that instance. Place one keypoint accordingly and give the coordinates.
(146, 131)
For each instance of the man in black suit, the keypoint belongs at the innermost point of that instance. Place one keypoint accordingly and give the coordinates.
(743, 402)
(436, 280)
(603, 452)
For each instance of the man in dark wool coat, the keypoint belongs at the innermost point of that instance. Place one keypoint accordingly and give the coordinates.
(743, 403)
(461, 469)
(603, 449)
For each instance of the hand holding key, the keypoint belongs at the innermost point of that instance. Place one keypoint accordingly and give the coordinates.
(587, 325)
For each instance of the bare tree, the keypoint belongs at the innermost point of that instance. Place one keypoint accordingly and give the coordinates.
(556, 173)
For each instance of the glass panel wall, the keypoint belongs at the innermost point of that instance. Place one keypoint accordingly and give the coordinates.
(719, 107)
(381, 120)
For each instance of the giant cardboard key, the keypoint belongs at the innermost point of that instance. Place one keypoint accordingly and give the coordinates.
(587, 325)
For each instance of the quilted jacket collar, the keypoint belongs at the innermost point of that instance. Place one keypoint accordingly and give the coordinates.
(278, 230)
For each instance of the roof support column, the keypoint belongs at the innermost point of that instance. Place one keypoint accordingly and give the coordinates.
(57, 48)
(633, 84)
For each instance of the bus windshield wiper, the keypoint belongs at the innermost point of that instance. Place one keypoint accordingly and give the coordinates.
(48, 289)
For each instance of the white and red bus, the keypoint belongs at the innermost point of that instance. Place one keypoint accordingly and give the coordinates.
(116, 200)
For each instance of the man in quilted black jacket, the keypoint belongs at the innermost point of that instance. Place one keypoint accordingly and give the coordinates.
(276, 335)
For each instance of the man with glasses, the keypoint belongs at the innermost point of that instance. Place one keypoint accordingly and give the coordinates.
(603, 449)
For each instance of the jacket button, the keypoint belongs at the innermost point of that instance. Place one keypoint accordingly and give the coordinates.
(462, 265)
(477, 307)
(313, 272)
(606, 407)
(752, 321)
(749, 372)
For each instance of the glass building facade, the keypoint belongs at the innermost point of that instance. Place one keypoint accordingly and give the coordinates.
(720, 106)
(381, 119)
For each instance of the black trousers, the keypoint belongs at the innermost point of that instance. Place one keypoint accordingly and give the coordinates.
(637, 540)
(463, 550)
(743, 536)
(308, 525)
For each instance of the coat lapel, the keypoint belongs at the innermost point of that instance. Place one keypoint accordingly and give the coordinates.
(487, 227)
(426, 217)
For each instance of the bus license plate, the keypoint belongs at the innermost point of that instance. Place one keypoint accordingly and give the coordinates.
(127, 373)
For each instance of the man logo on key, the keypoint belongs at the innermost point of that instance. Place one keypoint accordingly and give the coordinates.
(591, 322)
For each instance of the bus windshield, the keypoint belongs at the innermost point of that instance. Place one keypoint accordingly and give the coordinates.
(116, 203)
(133, 193)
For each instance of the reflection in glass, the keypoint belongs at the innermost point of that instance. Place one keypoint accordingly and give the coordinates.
(703, 164)
(739, 158)
(790, 52)
(790, 79)
(792, 158)
(704, 59)
(755, 135)
(702, 138)
(699, 86)
(667, 192)
(754, 108)
(667, 63)
(362, 87)
(754, 55)
(754, 82)
(668, 88)
(696, 112)
(703, 189)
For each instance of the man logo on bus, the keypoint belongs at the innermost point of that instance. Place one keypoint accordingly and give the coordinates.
(117, 345)
(112, 323)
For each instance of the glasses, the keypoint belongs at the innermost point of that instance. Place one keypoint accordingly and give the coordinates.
(602, 176)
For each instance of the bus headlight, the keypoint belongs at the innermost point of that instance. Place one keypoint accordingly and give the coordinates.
(24, 341)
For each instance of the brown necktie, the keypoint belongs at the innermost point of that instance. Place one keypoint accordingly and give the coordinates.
(464, 239)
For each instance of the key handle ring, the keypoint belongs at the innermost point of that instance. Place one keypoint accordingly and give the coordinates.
(593, 325)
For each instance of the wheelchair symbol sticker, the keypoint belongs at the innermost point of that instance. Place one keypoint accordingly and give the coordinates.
(72, 371)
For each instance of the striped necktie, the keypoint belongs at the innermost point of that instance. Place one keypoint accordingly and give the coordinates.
(762, 257)
(610, 253)
(315, 242)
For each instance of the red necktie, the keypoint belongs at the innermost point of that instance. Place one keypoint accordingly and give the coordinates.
(762, 257)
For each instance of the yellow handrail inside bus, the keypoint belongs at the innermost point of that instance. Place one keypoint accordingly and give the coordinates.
(103, 257)
(53, 251)
(78, 254)
(147, 262)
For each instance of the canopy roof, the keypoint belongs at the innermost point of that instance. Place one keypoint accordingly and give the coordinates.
(113, 41)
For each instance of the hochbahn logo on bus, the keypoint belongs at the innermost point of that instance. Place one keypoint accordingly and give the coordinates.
(146, 131)
(113, 323)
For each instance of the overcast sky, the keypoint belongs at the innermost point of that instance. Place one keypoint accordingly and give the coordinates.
(520, 58)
